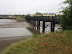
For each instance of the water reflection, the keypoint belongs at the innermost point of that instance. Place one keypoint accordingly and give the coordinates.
(7, 21)
(47, 27)
(35, 32)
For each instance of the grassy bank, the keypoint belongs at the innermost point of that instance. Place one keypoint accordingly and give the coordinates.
(52, 43)
(18, 17)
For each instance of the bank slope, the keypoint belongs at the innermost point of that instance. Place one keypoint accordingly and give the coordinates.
(52, 43)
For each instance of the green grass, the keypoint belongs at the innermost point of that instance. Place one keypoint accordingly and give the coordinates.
(19, 18)
(52, 43)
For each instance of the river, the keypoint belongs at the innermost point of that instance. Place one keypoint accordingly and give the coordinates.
(12, 28)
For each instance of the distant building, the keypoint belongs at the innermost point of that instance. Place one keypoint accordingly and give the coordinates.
(49, 14)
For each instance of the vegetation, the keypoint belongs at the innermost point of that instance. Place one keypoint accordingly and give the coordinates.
(38, 14)
(66, 18)
(52, 43)
(18, 17)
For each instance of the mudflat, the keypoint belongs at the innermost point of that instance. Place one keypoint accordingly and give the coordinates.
(7, 41)
(15, 24)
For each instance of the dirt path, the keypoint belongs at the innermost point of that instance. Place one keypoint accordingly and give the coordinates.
(5, 42)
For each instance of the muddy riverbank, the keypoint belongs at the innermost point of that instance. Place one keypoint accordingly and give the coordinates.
(14, 24)
(9, 27)
(5, 42)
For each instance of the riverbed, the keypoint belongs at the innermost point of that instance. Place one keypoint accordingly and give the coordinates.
(13, 31)
(12, 28)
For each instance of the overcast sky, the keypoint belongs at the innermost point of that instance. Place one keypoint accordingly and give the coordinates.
(29, 6)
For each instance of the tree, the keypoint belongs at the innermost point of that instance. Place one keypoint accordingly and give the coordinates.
(38, 13)
(66, 18)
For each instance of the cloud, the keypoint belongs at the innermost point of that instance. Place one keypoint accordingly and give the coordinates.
(28, 6)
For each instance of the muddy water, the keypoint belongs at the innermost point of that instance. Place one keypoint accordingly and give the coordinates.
(12, 28)
(13, 32)
(7, 21)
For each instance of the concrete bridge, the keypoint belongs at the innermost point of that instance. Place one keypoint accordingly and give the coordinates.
(35, 20)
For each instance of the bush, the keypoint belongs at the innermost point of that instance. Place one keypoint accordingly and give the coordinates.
(66, 18)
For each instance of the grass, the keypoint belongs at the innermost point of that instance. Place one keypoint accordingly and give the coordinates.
(19, 18)
(52, 43)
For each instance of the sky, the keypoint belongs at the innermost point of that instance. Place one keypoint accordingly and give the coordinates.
(29, 6)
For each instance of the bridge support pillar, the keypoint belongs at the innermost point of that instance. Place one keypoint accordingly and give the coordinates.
(52, 27)
(43, 26)
(34, 25)
(38, 25)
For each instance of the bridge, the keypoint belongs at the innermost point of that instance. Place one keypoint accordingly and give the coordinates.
(35, 20)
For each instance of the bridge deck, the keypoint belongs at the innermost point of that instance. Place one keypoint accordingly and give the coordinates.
(43, 18)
